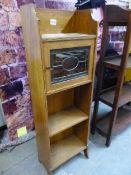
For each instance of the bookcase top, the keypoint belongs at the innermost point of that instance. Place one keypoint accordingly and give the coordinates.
(66, 36)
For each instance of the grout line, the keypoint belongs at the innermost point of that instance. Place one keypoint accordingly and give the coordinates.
(16, 164)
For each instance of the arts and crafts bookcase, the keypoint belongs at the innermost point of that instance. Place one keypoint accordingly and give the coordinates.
(60, 50)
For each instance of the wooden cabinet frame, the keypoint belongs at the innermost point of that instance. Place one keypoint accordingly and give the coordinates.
(62, 112)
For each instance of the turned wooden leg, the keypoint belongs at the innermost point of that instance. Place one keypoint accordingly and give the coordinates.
(86, 153)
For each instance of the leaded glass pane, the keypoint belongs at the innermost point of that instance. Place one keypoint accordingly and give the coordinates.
(69, 63)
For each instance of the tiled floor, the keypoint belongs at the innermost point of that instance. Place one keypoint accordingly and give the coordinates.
(21, 161)
(115, 160)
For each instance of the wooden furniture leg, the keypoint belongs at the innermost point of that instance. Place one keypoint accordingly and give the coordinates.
(86, 153)
(100, 78)
(95, 112)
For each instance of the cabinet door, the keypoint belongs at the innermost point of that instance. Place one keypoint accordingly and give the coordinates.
(68, 64)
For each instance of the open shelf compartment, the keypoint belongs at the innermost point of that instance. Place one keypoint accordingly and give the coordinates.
(67, 144)
(65, 119)
(68, 121)
(67, 108)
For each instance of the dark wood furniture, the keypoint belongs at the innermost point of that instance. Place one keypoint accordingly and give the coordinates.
(60, 50)
(119, 95)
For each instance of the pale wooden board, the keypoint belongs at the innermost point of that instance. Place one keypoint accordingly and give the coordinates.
(66, 36)
(36, 82)
(65, 119)
(65, 149)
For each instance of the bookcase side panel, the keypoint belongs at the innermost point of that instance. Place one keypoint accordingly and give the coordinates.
(36, 80)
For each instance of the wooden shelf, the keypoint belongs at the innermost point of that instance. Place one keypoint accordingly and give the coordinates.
(69, 87)
(114, 62)
(123, 120)
(66, 36)
(65, 149)
(65, 119)
(108, 97)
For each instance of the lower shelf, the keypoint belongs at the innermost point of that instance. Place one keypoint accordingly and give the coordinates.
(108, 97)
(65, 149)
(123, 120)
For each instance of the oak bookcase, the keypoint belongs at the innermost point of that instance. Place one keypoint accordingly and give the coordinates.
(60, 50)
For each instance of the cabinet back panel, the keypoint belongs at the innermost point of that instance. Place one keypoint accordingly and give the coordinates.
(47, 16)
(81, 131)
(60, 21)
(60, 101)
(61, 135)
(83, 96)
